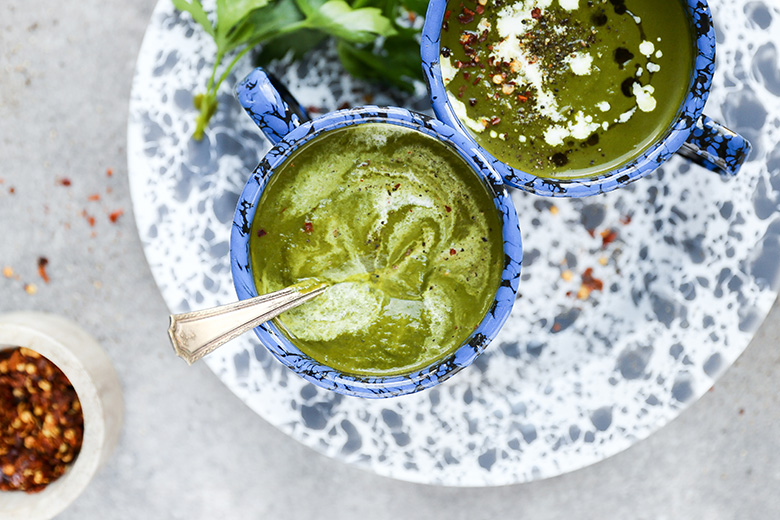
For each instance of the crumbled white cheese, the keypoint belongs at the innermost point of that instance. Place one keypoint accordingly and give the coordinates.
(460, 110)
(483, 25)
(493, 134)
(647, 48)
(448, 72)
(659, 54)
(639, 72)
(555, 135)
(653, 67)
(580, 128)
(580, 63)
(569, 5)
(604, 106)
(625, 116)
(644, 97)
(523, 138)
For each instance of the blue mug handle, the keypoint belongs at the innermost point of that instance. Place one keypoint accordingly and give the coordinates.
(270, 105)
(715, 147)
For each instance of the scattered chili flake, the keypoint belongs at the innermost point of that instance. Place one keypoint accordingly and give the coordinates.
(344, 105)
(308, 227)
(557, 327)
(480, 9)
(495, 120)
(589, 284)
(94, 196)
(536, 13)
(261, 233)
(11, 190)
(8, 271)
(396, 186)
(43, 425)
(30, 288)
(114, 216)
(447, 14)
(64, 181)
(608, 236)
(626, 219)
(453, 252)
(447, 208)
(467, 16)
(522, 98)
(109, 172)
(42, 263)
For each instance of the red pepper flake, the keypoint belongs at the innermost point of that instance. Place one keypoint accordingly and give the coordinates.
(261, 233)
(453, 252)
(43, 426)
(344, 105)
(447, 14)
(448, 208)
(467, 16)
(64, 181)
(11, 190)
(589, 284)
(626, 219)
(114, 216)
(396, 186)
(536, 13)
(480, 9)
(557, 327)
(94, 196)
(109, 172)
(522, 98)
(308, 227)
(89, 217)
(412, 16)
(495, 120)
(42, 263)
(608, 236)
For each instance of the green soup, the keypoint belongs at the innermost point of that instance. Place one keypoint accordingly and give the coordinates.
(566, 88)
(404, 233)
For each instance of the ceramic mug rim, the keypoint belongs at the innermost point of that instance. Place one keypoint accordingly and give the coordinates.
(659, 151)
(376, 386)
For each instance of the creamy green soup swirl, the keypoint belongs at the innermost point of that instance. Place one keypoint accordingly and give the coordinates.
(402, 231)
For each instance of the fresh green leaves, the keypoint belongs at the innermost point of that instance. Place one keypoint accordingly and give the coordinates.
(371, 43)
(338, 19)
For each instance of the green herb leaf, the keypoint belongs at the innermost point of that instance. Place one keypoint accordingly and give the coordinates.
(231, 12)
(362, 25)
(293, 45)
(399, 66)
(195, 8)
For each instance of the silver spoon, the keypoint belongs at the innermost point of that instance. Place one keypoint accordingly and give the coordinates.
(195, 334)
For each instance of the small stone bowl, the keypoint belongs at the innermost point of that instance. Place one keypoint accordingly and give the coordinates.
(92, 375)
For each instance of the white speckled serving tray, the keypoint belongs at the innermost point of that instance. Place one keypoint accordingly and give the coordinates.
(691, 273)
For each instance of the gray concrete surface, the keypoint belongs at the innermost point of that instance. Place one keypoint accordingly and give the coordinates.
(189, 448)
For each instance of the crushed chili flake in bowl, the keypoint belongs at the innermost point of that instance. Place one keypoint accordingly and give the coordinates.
(41, 423)
(39, 415)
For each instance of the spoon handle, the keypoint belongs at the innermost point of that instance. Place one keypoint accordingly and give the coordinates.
(195, 334)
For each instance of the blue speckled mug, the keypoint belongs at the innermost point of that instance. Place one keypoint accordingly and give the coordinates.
(285, 123)
(691, 135)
